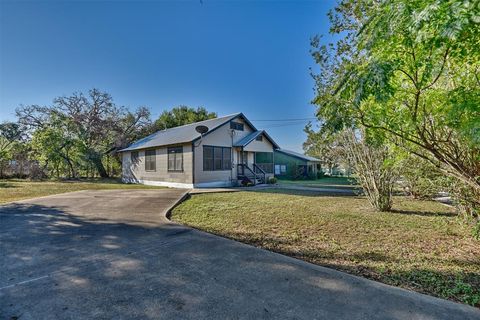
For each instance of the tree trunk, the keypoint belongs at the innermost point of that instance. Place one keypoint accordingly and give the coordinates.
(97, 162)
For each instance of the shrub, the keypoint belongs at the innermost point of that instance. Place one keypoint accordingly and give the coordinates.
(272, 180)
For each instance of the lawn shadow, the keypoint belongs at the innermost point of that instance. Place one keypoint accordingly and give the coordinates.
(424, 213)
(80, 257)
(7, 185)
(301, 192)
(457, 286)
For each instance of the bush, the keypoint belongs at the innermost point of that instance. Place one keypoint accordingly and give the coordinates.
(272, 180)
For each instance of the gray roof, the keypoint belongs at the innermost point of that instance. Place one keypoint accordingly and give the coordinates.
(181, 134)
(297, 155)
(249, 138)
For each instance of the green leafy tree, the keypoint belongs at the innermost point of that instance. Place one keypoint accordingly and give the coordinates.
(10, 135)
(408, 71)
(91, 123)
(181, 115)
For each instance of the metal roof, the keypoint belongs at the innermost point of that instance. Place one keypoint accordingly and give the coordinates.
(181, 134)
(249, 138)
(297, 155)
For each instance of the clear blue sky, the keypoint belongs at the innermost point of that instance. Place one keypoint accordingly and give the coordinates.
(246, 56)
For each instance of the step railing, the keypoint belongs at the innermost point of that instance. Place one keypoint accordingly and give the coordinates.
(244, 170)
(261, 172)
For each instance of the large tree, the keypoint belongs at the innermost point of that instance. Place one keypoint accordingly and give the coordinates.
(10, 134)
(181, 115)
(410, 71)
(92, 123)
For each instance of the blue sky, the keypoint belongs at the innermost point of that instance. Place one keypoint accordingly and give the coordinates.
(246, 56)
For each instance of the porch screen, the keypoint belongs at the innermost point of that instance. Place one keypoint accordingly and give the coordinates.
(265, 161)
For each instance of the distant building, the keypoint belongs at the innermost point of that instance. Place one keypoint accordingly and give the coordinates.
(293, 165)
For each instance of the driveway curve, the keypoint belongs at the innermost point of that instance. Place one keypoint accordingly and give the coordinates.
(112, 254)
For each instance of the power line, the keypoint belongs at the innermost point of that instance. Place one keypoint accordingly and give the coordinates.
(298, 119)
(283, 125)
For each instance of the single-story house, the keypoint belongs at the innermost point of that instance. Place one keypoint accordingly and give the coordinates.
(292, 165)
(219, 152)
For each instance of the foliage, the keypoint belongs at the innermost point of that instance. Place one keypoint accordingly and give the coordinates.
(81, 131)
(272, 180)
(408, 71)
(421, 179)
(324, 146)
(375, 167)
(10, 136)
(182, 115)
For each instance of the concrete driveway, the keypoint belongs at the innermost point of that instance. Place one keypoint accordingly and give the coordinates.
(111, 255)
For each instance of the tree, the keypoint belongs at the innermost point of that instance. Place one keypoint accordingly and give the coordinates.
(10, 134)
(324, 146)
(409, 71)
(92, 123)
(182, 115)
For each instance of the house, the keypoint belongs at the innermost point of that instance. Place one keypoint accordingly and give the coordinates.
(292, 165)
(218, 152)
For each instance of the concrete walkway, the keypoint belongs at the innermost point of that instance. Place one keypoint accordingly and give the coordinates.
(111, 255)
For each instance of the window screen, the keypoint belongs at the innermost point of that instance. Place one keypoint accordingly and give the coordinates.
(217, 158)
(150, 163)
(175, 158)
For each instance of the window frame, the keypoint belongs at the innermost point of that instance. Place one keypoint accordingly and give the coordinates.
(211, 160)
(175, 158)
(259, 138)
(148, 160)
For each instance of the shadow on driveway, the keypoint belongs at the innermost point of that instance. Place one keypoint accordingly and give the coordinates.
(68, 257)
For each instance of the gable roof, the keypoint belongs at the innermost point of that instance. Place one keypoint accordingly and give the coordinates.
(249, 138)
(182, 134)
(297, 155)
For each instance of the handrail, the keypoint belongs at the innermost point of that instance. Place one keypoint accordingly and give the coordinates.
(243, 166)
(262, 171)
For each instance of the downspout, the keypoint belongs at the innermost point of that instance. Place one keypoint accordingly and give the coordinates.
(231, 156)
(193, 164)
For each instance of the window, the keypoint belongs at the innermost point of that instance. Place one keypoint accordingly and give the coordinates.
(236, 126)
(227, 161)
(259, 138)
(207, 158)
(134, 157)
(175, 158)
(150, 164)
(280, 169)
(217, 158)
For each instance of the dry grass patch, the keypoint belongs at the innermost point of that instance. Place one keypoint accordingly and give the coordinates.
(421, 245)
(17, 189)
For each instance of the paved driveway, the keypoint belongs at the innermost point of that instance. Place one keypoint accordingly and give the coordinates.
(111, 255)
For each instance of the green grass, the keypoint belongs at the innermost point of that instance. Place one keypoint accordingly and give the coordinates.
(17, 189)
(421, 245)
(325, 182)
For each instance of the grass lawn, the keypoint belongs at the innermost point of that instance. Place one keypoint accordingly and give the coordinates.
(421, 245)
(325, 182)
(17, 189)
